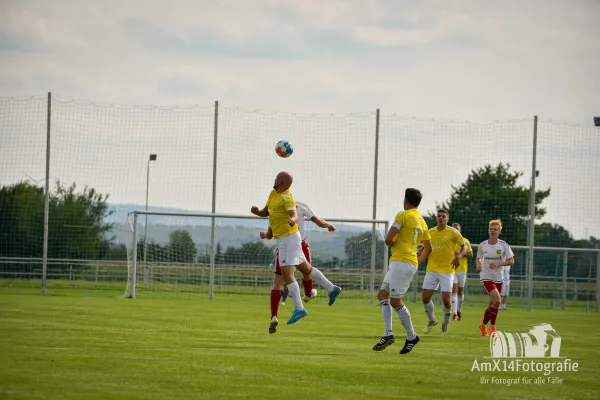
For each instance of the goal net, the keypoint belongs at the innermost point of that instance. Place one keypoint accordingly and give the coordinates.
(170, 255)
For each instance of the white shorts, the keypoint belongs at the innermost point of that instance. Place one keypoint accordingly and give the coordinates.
(290, 250)
(398, 278)
(435, 280)
(460, 278)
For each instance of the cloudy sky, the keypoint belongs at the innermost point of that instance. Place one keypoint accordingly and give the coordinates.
(434, 60)
(439, 59)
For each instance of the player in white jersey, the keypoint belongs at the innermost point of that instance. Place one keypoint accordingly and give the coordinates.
(505, 287)
(278, 291)
(492, 256)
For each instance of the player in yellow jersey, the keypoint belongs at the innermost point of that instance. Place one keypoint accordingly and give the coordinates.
(460, 278)
(283, 219)
(409, 229)
(440, 268)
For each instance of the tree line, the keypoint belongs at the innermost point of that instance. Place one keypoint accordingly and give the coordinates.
(78, 230)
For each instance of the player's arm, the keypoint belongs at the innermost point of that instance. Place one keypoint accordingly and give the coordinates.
(321, 223)
(425, 252)
(508, 262)
(479, 259)
(293, 216)
(459, 254)
(268, 234)
(394, 229)
(264, 212)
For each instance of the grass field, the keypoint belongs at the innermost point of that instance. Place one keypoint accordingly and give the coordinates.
(81, 344)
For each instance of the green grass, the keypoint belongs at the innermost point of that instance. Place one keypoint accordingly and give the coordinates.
(74, 344)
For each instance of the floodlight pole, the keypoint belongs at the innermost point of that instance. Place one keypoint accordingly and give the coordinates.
(152, 157)
(531, 230)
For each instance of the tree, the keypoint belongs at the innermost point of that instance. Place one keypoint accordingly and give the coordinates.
(181, 247)
(254, 253)
(76, 222)
(492, 193)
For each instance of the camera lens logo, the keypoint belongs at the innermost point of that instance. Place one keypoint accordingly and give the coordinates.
(541, 341)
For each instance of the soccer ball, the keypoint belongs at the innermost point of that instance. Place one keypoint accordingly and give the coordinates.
(284, 149)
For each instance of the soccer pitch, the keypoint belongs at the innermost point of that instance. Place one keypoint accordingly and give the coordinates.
(72, 344)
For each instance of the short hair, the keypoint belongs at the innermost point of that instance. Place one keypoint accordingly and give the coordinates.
(496, 222)
(413, 196)
(441, 210)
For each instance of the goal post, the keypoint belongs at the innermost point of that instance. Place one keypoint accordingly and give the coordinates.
(182, 258)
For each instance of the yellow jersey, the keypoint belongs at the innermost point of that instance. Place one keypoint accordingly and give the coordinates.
(278, 205)
(412, 229)
(443, 245)
(464, 266)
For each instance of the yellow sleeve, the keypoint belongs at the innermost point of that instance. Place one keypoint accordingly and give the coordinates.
(469, 248)
(400, 218)
(426, 234)
(289, 202)
(459, 239)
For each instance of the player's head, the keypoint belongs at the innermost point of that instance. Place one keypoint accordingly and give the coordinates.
(495, 227)
(412, 198)
(283, 181)
(442, 217)
(457, 226)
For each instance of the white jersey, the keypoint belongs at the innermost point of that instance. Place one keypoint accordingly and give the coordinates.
(304, 213)
(498, 252)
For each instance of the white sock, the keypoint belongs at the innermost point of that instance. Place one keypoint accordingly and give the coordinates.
(446, 315)
(429, 308)
(386, 312)
(454, 302)
(321, 280)
(460, 301)
(295, 295)
(406, 321)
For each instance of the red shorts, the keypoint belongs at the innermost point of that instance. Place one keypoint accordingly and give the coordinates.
(305, 250)
(489, 286)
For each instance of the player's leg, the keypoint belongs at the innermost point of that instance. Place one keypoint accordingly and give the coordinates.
(318, 276)
(494, 308)
(285, 293)
(430, 285)
(307, 282)
(290, 255)
(504, 293)
(454, 300)
(492, 291)
(400, 281)
(446, 282)
(275, 297)
(386, 313)
(460, 293)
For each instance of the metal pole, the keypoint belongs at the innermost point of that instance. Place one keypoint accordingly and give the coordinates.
(531, 230)
(564, 286)
(374, 229)
(385, 251)
(146, 222)
(46, 197)
(134, 255)
(214, 205)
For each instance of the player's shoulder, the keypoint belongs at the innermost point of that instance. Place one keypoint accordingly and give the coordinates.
(453, 230)
(484, 243)
(503, 243)
(302, 205)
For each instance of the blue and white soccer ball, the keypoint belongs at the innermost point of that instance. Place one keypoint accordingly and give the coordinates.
(284, 149)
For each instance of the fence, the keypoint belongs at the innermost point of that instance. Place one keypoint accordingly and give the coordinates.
(219, 158)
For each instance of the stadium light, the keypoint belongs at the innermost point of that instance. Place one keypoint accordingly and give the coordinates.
(152, 157)
(596, 121)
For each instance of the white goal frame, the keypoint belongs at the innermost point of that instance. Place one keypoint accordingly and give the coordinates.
(213, 216)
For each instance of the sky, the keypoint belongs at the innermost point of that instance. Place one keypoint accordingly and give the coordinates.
(270, 63)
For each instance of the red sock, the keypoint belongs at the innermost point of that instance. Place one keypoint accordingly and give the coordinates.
(486, 316)
(275, 298)
(493, 314)
(308, 287)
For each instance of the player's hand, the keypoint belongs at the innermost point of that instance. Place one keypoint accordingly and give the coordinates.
(478, 269)
(493, 265)
(331, 228)
(263, 235)
(254, 210)
(456, 261)
(292, 222)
